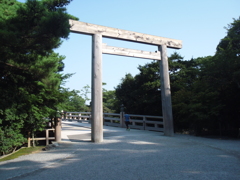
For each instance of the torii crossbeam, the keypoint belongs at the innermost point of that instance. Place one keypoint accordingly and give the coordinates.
(97, 32)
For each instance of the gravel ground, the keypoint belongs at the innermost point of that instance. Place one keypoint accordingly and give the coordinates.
(127, 155)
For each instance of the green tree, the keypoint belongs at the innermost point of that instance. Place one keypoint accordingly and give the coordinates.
(210, 104)
(223, 74)
(29, 69)
(73, 102)
(205, 90)
(85, 91)
(194, 102)
(141, 94)
(109, 100)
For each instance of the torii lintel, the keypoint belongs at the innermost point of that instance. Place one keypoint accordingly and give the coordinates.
(91, 29)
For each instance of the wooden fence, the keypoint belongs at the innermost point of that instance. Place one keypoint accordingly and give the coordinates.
(47, 138)
(143, 122)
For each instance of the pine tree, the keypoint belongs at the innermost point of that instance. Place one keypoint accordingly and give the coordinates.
(30, 71)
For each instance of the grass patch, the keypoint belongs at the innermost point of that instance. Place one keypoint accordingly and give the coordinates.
(23, 151)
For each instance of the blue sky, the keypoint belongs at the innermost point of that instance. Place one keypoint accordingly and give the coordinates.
(198, 23)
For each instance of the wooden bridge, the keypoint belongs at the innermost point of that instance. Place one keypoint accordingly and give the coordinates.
(143, 122)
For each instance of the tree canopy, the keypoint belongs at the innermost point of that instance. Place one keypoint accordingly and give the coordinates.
(30, 70)
(205, 90)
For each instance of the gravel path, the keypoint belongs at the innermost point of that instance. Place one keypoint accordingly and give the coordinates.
(128, 155)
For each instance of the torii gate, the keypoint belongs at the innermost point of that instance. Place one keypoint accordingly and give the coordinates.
(97, 32)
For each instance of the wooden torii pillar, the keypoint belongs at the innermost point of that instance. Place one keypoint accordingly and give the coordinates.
(98, 32)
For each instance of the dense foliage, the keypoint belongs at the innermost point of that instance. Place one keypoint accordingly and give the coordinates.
(109, 99)
(205, 90)
(141, 94)
(30, 71)
(73, 102)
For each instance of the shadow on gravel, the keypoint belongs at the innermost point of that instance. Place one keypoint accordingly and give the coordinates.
(134, 155)
(86, 137)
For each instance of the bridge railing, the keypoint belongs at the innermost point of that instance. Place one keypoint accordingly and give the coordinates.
(146, 122)
(112, 119)
(77, 116)
(143, 122)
